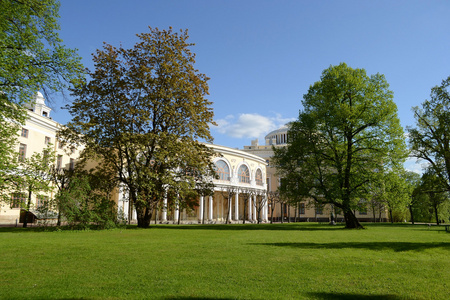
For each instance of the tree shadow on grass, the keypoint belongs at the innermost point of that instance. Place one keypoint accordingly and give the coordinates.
(237, 227)
(199, 298)
(377, 246)
(324, 296)
(344, 296)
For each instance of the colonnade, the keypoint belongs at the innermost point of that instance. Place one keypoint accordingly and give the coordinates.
(206, 206)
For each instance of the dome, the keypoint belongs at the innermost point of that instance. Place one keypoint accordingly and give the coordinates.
(282, 129)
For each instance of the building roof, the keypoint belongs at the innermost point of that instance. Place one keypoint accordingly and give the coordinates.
(282, 129)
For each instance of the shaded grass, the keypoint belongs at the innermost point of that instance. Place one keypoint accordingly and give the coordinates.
(278, 261)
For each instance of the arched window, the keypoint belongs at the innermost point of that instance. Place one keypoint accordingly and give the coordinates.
(222, 170)
(244, 174)
(259, 179)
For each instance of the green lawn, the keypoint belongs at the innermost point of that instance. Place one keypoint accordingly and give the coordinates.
(290, 261)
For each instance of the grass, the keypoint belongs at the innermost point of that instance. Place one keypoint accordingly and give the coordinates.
(280, 261)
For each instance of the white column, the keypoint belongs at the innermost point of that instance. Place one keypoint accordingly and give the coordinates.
(200, 209)
(133, 214)
(211, 208)
(254, 209)
(175, 217)
(267, 209)
(231, 207)
(218, 211)
(264, 210)
(164, 211)
(236, 207)
(250, 207)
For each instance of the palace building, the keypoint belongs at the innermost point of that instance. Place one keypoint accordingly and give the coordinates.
(38, 132)
(243, 178)
(239, 192)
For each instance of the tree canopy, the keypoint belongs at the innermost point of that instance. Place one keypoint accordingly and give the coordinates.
(143, 114)
(430, 139)
(347, 131)
(32, 58)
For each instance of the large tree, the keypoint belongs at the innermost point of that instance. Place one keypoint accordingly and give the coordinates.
(33, 176)
(143, 113)
(32, 58)
(347, 131)
(436, 194)
(430, 140)
(395, 193)
(412, 182)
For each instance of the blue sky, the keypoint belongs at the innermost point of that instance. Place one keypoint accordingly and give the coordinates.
(262, 55)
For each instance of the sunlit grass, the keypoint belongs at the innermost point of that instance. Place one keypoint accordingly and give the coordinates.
(290, 261)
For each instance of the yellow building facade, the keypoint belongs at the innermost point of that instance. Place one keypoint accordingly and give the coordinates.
(38, 132)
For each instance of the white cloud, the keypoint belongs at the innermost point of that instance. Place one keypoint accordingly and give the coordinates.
(414, 165)
(250, 125)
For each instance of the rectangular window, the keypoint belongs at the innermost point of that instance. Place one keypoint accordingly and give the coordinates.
(60, 145)
(17, 200)
(301, 209)
(24, 132)
(72, 164)
(48, 140)
(319, 209)
(362, 210)
(41, 201)
(59, 162)
(22, 152)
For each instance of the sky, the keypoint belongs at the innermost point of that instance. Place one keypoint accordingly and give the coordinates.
(262, 56)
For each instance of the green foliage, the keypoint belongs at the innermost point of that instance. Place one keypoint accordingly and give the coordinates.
(396, 194)
(86, 202)
(347, 132)
(33, 175)
(8, 140)
(32, 58)
(432, 198)
(142, 115)
(430, 140)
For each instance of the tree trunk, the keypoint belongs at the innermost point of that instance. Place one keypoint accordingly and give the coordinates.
(144, 217)
(179, 214)
(411, 213)
(228, 212)
(58, 222)
(25, 222)
(390, 216)
(272, 208)
(436, 213)
(351, 222)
